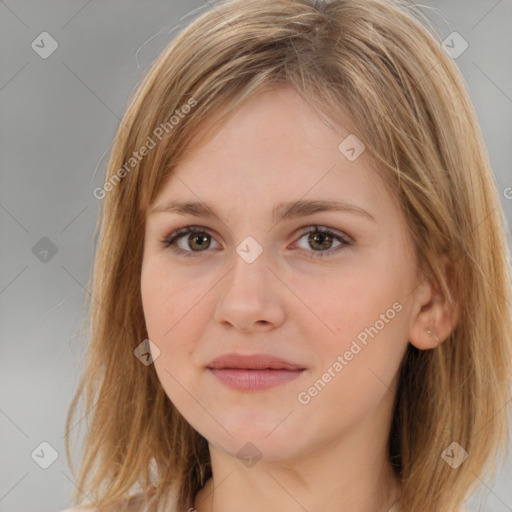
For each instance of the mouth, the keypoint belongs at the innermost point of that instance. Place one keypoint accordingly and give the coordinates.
(253, 373)
(243, 379)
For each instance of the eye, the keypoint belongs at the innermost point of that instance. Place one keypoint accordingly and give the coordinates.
(320, 239)
(198, 239)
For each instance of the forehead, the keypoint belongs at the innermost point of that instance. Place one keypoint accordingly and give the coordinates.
(275, 146)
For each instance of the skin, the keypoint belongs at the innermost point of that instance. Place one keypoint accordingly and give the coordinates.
(331, 453)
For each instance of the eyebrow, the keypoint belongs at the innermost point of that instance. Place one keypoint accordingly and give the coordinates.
(282, 211)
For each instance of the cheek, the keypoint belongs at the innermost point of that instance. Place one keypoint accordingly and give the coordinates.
(172, 305)
(154, 293)
(164, 305)
(356, 368)
(167, 297)
(361, 316)
(350, 299)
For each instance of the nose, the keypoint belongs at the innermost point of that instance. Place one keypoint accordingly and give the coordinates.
(251, 297)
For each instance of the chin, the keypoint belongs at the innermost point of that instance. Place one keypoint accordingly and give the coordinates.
(256, 440)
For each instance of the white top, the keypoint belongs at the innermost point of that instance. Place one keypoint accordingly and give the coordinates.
(394, 508)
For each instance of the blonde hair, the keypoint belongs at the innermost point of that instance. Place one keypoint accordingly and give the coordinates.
(376, 62)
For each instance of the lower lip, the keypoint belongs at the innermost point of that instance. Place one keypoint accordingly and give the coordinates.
(253, 380)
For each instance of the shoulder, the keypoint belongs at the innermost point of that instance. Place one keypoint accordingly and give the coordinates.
(134, 503)
(82, 508)
(79, 508)
(395, 508)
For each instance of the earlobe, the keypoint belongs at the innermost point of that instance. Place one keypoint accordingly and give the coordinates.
(430, 333)
(436, 317)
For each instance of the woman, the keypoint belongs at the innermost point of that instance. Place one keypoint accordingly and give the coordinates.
(301, 287)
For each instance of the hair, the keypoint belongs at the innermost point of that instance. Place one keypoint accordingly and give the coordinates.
(375, 61)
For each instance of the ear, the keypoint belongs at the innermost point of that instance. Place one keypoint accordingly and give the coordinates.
(434, 318)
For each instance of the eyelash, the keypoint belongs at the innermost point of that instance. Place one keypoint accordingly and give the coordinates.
(170, 241)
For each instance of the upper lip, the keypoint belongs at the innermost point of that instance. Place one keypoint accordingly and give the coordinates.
(253, 362)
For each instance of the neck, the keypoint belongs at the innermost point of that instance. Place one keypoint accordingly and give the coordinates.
(342, 475)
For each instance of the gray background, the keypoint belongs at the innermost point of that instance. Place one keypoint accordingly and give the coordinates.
(59, 116)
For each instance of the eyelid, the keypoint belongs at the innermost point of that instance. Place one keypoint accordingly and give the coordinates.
(325, 229)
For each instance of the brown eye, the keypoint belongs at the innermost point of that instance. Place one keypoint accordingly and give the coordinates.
(320, 241)
(198, 240)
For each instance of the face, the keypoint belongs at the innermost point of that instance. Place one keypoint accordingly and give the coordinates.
(328, 290)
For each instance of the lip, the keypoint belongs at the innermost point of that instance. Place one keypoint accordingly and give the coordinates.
(253, 372)
(252, 362)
